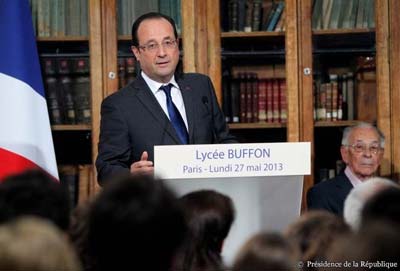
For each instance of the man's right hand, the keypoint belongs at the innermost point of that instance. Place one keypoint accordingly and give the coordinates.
(143, 166)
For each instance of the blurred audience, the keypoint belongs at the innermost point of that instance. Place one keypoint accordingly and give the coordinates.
(78, 234)
(135, 223)
(358, 197)
(209, 216)
(34, 193)
(383, 206)
(267, 251)
(314, 232)
(375, 247)
(34, 244)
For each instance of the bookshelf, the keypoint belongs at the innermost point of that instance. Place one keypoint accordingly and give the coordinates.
(64, 36)
(203, 41)
(304, 47)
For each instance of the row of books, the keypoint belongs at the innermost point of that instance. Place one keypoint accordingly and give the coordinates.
(127, 70)
(334, 100)
(336, 14)
(254, 15)
(67, 87)
(329, 173)
(77, 180)
(249, 99)
(130, 10)
(345, 97)
(58, 18)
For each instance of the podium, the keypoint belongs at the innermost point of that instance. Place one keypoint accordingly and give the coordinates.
(264, 181)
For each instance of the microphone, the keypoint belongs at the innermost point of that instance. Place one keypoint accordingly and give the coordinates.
(204, 99)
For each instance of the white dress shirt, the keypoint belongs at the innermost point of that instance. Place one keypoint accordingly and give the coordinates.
(162, 98)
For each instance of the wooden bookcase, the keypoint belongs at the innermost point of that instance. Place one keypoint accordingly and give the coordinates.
(201, 40)
(299, 58)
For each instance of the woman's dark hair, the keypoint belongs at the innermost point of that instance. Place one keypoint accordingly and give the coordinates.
(209, 216)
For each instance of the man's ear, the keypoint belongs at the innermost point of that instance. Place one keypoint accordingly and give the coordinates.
(135, 51)
(344, 151)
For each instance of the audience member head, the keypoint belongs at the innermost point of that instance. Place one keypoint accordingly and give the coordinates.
(135, 223)
(359, 196)
(314, 232)
(34, 244)
(383, 206)
(209, 216)
(267, 251)
(34, 193)
(362, 149)
(375, 244)
(78, 234)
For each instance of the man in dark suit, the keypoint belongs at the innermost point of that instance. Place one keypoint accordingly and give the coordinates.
(161, 107)
(362, 151)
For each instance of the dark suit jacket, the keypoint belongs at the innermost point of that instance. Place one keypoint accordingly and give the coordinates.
(330, 195)
(132, 121)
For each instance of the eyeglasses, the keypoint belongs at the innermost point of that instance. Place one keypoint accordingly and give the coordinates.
(154, 46)
(362, 148)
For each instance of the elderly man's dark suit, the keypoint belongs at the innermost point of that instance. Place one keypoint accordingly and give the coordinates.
(132, 121)
(330, 195)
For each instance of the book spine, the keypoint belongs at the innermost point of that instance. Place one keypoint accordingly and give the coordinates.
(84, 27)
(243, 96)
(269, 101)
(282, 101)
(69, 179)
(43, 18)
(275, 100)
(233, 15)
(255, 97)
(226, 96)
(53, 100)
(262, 100)
(350, 96)
(130, 64)
(256, 18)
(68, 100)
(277, 13)
(235, 100)
(121, 72)
(249, 98)
(248, 16)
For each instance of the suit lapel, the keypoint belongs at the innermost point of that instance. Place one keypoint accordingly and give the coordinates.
(146, 97)
(344, 185)
(187, 95)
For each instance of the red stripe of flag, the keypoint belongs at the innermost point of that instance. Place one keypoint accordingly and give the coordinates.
(12, 163)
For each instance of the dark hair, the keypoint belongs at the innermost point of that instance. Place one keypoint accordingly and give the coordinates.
(384, 206)
(148, 16)
(266, 251)
(314, 232)
(375, 243)
(135, 221)
(209, 216)
(78, 234)
(34, 192)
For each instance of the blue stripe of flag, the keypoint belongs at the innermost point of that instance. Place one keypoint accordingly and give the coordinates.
(18, 51)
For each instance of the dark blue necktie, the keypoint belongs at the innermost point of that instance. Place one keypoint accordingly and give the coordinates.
(175, 116)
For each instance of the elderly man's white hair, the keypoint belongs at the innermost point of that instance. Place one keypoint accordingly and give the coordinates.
(359, 195)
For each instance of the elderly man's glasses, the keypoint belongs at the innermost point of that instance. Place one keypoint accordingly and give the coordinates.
(154, 46)
(362, 148)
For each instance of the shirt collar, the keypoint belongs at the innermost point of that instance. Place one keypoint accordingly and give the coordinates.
(352, 177)
(155, 86)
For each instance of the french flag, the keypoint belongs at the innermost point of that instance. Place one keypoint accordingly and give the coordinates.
(25, 134)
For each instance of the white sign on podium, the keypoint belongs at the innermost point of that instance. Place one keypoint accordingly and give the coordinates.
(264, 180)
